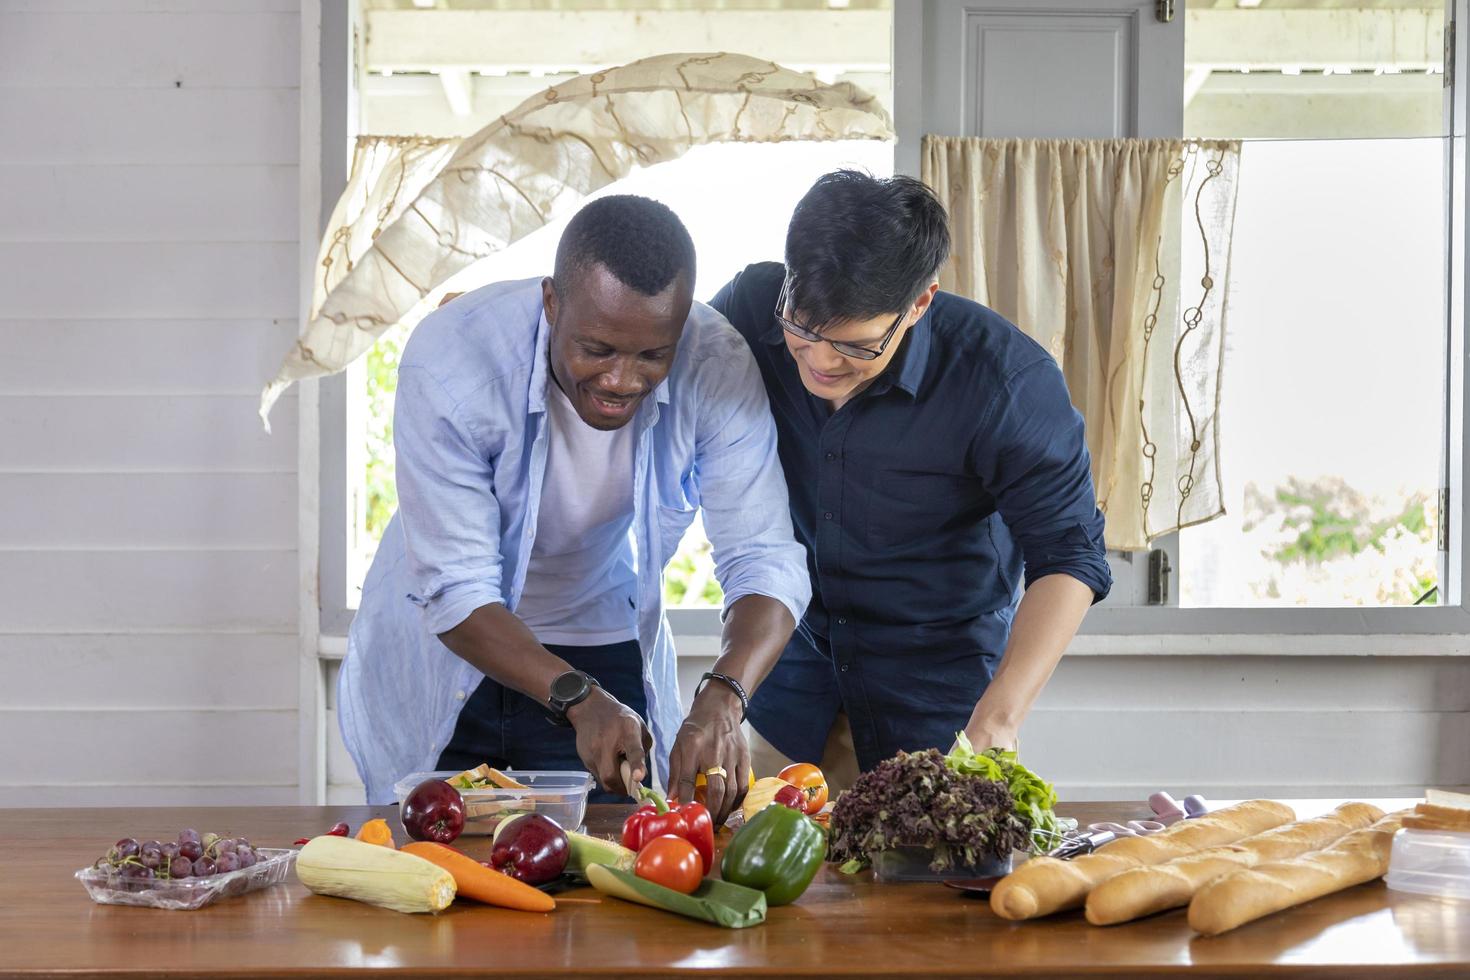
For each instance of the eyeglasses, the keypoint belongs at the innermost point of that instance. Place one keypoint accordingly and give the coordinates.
(840, 346)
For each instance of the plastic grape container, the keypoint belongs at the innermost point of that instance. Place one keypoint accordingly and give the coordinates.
(107, 887)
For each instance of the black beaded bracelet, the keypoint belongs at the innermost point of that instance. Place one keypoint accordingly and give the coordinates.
(729, 682)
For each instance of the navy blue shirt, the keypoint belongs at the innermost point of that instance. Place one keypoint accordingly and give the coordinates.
(923, 503)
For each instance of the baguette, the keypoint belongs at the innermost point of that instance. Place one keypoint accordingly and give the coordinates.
(1157, 888)
(1252, 893)
(1045, 885)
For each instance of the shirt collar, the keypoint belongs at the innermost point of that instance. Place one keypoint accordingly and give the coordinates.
(909, 374)
(540, 368)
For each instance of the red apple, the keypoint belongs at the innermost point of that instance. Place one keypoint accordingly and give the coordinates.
(433, 811)
(530, 848)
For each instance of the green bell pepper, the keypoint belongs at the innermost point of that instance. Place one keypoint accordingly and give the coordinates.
(777, 852)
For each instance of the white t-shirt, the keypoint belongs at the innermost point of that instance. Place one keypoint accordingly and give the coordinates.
(581, 581)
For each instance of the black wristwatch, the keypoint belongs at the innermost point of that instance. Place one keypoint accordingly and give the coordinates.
(568, 690)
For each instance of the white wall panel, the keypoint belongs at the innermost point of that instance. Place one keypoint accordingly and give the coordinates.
(79, 511)
(164, 356)
(159, 127)
(218, 671)
(148, 6)
(60, 49)
(137, 794)
(1266, 683)
(147, 279)
(158, 746)
(132, 433)
(73, 203)
(142, 591)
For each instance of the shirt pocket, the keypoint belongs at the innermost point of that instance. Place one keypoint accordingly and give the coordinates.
(906, 510)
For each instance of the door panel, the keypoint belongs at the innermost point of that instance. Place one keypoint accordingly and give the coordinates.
(1063, 69)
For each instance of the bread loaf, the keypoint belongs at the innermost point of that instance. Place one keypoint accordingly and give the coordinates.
(1249, 894)
(1156, 888)
(1044, 885)
(1431, 816)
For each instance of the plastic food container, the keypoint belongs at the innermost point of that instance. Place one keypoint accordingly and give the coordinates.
(1431, 862)
(107, 887)
(562, 796)
(912, 864)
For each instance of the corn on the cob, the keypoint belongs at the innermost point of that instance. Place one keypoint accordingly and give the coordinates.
(349, 868)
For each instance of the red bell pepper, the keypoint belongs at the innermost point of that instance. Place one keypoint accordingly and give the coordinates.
(690, 821)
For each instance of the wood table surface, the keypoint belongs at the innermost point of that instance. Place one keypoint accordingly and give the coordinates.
(843, 926)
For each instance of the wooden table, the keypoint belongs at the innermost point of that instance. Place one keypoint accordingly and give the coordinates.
(843, 926)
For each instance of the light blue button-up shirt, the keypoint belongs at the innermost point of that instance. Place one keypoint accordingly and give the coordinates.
(470, 435)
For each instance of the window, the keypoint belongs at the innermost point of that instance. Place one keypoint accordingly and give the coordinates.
(735, 198)
(1333, 401)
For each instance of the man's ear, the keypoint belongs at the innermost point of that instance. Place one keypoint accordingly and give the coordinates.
(925, 298)
(548, 299)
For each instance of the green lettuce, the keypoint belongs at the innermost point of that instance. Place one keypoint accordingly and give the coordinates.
(1035, 798)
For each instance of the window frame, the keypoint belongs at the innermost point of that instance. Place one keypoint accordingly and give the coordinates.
(1119, 629)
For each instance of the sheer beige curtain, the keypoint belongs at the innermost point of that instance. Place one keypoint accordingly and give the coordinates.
(417, 211)
(1114, 255)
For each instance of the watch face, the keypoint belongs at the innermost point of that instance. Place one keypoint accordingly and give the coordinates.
(568, 686)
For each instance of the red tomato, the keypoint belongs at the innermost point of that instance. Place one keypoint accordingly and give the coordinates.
(813, 785)
(672, 862)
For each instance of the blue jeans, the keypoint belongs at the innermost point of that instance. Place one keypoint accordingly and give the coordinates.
(506, 729)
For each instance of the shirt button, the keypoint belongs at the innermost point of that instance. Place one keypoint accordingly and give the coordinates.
(841, 622)
(831, 456)
(844, 668)
(827, 516)
(459, 695)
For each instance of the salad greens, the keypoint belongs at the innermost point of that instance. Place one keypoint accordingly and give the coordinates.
(915, 800)
(1035, 799)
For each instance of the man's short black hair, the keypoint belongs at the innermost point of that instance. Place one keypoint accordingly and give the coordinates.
(639, 240)
(859, 247)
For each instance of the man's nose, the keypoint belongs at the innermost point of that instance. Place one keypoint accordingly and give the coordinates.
(821, 357)
(622, 379)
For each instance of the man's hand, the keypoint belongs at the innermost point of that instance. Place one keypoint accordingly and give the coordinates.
(710, 738)
(984, 735)
(608, 732)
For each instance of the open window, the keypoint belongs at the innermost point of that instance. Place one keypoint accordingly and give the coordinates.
(1341, 403)
(419, 75)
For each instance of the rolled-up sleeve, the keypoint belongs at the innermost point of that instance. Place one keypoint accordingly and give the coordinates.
(446, 502)
(742, 488)
(1031, 452)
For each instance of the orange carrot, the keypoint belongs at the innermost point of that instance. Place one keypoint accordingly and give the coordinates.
(483, 884)
(376, 832)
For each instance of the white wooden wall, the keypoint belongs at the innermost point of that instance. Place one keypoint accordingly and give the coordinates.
(1121, 727)
(148, 286)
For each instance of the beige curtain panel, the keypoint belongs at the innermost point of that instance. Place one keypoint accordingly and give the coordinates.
(1115, 256)
(416, 211)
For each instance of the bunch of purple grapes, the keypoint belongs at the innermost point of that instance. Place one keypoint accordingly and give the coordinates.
(191, 856)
